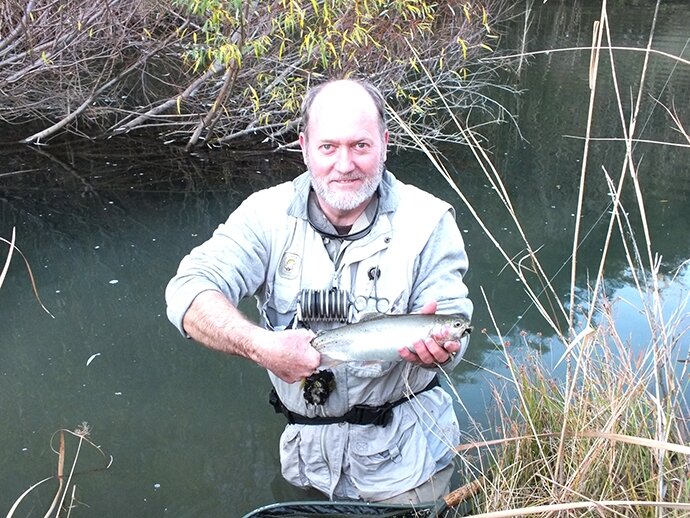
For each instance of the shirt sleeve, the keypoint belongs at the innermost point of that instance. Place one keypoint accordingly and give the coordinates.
(233, 261)
(441, 270)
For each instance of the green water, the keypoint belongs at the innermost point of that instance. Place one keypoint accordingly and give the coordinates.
(189, 431)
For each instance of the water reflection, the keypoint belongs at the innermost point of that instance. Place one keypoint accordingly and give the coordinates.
(191, 432)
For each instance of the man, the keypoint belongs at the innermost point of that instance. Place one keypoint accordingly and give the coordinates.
(344, 237)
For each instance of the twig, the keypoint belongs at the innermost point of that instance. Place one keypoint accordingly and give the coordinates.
(19, 28)
(9, 256)
(37, 137)
(187, 93)
(586, 49)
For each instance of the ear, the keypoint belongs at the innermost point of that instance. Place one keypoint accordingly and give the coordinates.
(303, 146)
(385, 144)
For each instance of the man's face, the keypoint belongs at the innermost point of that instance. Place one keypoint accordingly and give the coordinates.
(343, 147)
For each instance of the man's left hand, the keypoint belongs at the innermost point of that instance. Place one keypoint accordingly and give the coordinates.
(434, 350)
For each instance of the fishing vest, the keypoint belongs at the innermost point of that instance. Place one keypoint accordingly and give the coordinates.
(379, 272)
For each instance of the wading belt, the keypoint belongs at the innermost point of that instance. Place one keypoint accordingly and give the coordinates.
(358, 414)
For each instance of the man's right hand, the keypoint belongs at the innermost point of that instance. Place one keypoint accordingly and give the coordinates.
(288, 354)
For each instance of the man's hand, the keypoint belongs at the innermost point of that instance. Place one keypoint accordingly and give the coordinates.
(288, 354)
(213, 321)
(435, 350)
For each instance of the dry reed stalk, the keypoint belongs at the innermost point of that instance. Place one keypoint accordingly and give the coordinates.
(594, 404)
(13, 247)
(57, 504)
(9, 255)
(60, 476)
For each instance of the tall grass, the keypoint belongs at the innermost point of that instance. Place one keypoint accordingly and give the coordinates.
(609, 437)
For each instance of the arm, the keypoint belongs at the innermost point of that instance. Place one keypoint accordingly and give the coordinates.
(210, 281)
(216, 323)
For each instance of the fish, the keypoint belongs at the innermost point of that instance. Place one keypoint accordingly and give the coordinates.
(377, 338)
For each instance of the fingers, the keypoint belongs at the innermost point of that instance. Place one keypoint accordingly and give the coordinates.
(291, 357)
(429, 308)
(433, 350)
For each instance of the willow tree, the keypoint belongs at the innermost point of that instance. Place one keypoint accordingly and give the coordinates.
(220, 71)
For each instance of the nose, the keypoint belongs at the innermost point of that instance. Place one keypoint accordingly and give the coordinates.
(344, 162)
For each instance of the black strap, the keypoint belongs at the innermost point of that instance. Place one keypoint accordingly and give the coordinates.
(358, 414)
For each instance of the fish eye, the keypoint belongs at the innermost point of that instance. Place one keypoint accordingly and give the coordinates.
(457, 323)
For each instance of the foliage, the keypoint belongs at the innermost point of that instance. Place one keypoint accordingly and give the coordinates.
(214, 71)
(277, 48)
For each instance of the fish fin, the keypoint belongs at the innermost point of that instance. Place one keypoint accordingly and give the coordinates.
(397, 306)
(370, 363)
(368, 317)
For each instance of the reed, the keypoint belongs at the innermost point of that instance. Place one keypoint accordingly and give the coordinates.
(64, 498)
(608, 437)
(591, 442)
(8, 260)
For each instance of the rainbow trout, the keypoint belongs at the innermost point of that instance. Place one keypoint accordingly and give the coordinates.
(378, 338)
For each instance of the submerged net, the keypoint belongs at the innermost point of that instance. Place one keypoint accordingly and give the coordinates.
(346, 510)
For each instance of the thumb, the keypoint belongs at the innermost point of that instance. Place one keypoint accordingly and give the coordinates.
(429, 308)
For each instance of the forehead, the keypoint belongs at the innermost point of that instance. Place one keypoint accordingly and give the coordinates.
(343, 111)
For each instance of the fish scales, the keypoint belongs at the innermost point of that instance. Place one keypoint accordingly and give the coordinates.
(379, 338)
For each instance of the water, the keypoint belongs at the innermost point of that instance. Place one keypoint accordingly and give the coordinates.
(189, 431)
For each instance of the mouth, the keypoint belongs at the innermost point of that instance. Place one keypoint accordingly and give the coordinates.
(346, 182)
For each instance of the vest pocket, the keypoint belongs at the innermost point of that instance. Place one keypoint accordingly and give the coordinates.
(301, 463)
(281, 303)
(386, 458)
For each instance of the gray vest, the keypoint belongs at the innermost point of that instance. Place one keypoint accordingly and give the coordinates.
(390, 249)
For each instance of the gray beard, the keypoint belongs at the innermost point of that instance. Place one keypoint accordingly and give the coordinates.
(348, 201)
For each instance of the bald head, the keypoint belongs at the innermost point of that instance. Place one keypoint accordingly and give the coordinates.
(346, 93)
(344, 144)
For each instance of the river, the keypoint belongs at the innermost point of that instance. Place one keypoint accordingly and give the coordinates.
(190, 432)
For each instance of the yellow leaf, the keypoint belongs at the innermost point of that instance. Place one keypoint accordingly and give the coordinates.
(485, 46)
(463, 44)
(179, 104)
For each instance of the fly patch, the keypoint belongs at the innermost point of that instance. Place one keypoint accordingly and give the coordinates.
(289, 266)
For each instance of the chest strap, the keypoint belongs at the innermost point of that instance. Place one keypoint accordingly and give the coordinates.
(358, 414)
